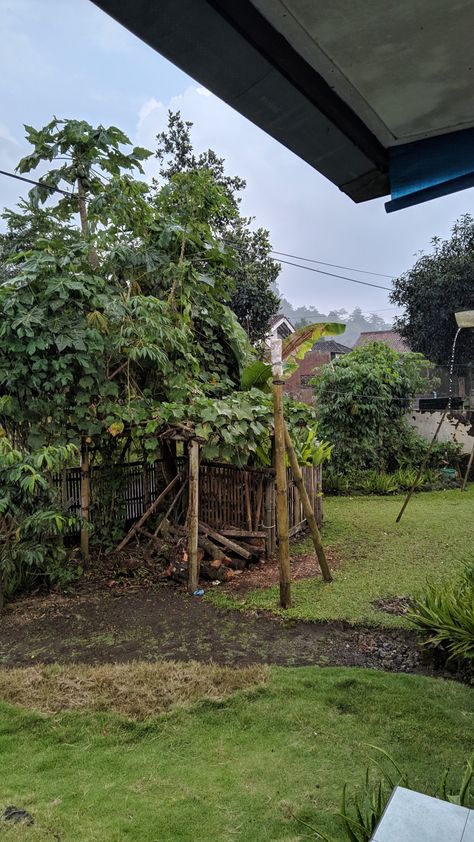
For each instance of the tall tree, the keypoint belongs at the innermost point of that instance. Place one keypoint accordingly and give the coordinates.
(253, 297)
(431, 292)
(104, 321)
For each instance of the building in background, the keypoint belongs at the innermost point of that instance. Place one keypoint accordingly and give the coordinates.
(388, 337)
(323, 352)
(280, 327)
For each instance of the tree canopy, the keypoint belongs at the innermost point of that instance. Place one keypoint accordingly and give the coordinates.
(253, 297)
(103, 322)
(361, 401)
(438, 285)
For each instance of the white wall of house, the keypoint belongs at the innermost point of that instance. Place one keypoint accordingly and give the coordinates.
(457, 426)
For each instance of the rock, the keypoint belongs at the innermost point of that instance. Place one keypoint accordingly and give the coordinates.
(17, 815)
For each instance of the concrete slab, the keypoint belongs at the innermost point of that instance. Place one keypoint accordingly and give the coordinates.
(468, 835)
(413, 817)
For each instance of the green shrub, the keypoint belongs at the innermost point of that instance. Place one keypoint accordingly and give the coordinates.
(445, 615)
(405, 477)
(31, 520)
(375, 482)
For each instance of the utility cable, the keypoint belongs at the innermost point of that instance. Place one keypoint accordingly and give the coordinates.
(333, 265)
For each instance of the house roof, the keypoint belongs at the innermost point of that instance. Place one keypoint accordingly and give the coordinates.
(331, 346)
(388, 337)
(377, 97)
(280, 317)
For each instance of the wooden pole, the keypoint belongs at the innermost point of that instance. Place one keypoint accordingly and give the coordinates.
(85, 499)
(281, 481)
(307, 508)
(193, 516)
(421, 468)
(268, 515)
(468, 470)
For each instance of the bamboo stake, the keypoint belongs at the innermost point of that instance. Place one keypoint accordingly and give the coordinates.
(307, 508)
(148, 512)
(281, 480)
(85, 499)
(421, 468)
(168, 512)
(248, 507)
(193, 517)
(468, 470)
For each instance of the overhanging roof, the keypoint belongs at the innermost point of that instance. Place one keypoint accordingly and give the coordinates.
(379, 97)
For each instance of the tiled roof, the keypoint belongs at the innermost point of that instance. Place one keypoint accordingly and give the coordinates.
(331, 346)
(388, 337)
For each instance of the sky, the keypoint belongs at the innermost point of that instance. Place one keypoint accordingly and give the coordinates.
(67, 58)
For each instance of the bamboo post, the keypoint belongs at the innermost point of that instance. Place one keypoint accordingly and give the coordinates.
(421, 468)
(85, 499)
(268, 515)
(193, 516)
(281, 480)
(468, 470)
(307, 508)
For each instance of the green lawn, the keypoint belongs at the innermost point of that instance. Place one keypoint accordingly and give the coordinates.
(380, 558)
(228, 771)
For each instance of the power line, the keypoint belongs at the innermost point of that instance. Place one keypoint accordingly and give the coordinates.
(37, 183)
(55, 189)
(318, 271)
(333, 265)
(333, 275)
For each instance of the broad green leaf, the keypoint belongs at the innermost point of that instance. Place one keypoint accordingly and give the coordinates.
(309, 334)
(256, 375)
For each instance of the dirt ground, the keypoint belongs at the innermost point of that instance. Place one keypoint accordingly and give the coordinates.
(115, 618)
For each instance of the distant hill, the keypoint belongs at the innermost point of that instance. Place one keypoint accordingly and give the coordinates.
(356, 322)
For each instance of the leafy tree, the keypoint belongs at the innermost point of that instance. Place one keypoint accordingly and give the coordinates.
(253, 297)
(438, 285)
(103, 321)
(361, 401)
(32, 522)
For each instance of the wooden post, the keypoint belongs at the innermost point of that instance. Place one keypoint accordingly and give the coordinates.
(268, 515)
(421, 468)
(193, 516)
(85, 499)
(307, 508)
(468, 470)
(281, 481)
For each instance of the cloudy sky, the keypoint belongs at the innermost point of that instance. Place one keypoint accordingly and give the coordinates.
(67, 58)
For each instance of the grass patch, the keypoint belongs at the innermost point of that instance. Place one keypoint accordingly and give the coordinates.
(380, 558)
(136, 690)
(230, 771)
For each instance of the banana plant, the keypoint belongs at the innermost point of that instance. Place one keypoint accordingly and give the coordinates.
(294, 348)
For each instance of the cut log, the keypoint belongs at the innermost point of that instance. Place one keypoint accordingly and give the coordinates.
(235, 532)
(214, 574)
(226, 542)
(235, 563)
(252, 549)
(213, 550)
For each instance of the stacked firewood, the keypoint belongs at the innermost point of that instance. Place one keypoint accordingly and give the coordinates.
(221, 555)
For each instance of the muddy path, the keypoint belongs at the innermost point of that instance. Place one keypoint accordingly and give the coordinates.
(97, 625)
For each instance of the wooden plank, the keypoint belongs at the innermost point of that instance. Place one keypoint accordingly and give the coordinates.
(226, 542)
(235, 532)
